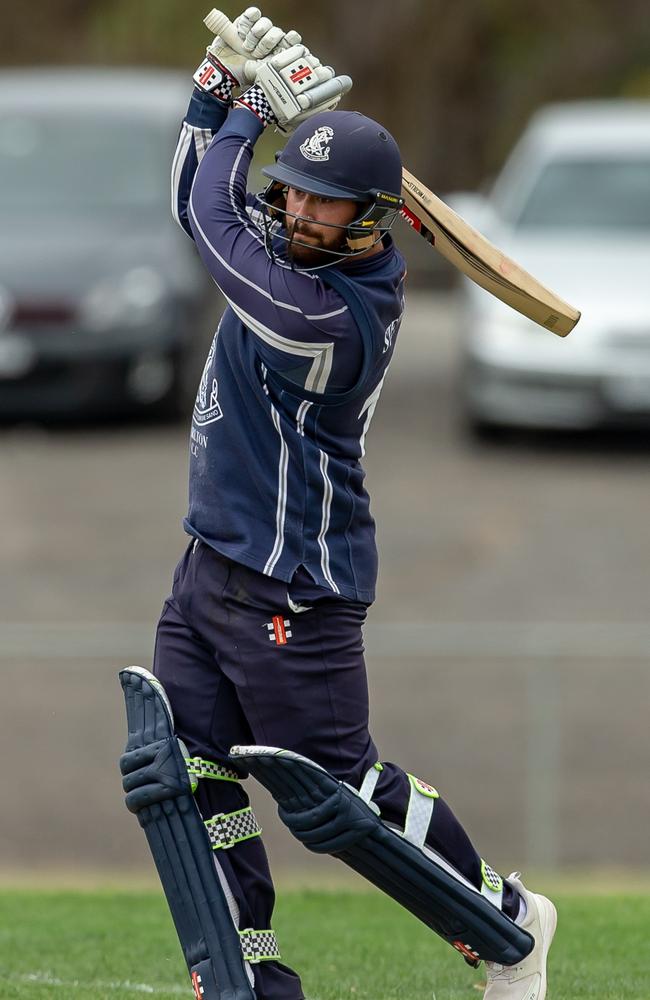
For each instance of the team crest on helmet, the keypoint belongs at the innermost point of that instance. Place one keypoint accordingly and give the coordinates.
(316, 147)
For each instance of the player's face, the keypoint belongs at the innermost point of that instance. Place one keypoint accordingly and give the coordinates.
(309, 230)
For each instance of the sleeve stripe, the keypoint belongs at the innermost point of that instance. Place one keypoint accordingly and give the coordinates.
(244, 219)
(202, 139)
(231, 270)
(180, 156)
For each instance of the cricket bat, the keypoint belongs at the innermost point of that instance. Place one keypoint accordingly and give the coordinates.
(480, 260)
(457, 241)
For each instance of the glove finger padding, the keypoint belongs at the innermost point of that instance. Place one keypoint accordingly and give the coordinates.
(245, 21)
(257, 32)
(259, 38)
(267, 43)
(297, 86)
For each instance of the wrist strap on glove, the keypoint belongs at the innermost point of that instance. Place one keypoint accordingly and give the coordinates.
(213, 78)
(256, 101)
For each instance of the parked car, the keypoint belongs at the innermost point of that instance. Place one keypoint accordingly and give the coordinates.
(103, 299)
(572, 205)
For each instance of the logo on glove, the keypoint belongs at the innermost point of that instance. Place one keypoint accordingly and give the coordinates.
(316, 148)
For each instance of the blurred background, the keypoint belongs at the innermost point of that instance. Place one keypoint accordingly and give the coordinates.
(509, 648)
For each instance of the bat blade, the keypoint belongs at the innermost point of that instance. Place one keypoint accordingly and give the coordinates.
(480, 260)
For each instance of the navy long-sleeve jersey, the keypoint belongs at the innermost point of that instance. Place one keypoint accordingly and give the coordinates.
(291, 380)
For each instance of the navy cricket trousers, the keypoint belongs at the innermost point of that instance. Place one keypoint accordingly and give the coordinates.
(241, 665)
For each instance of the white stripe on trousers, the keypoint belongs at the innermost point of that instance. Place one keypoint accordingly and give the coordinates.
(282, 498)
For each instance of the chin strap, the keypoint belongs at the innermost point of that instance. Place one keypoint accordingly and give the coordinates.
(363, 242)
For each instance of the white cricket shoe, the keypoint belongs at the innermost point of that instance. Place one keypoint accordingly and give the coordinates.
(527, 980)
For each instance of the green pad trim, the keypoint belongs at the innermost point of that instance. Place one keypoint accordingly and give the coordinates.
(200, 768)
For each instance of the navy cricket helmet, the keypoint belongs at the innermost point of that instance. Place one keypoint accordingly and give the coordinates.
(343, 154)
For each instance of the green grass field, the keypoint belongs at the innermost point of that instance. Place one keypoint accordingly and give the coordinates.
(120, 945)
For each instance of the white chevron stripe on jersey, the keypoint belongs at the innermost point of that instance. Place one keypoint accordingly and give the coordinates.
(334, 312)
(281, 507)
(325, 522)
(319, 372)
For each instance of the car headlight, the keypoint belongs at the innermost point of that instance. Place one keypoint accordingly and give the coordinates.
(134, 299)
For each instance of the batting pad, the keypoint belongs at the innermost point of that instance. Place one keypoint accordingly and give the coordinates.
(330, 817)
(159, 792)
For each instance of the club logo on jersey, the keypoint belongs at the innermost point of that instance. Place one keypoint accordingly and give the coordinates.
(279, 630)
(316, 147)
(389, 333)
(207, 408)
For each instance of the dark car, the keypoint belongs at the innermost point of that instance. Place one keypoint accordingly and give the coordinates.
(104, 303)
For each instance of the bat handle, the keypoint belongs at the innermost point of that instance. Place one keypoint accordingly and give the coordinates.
(220, 24)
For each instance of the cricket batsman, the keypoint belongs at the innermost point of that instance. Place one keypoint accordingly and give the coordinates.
(259, 663)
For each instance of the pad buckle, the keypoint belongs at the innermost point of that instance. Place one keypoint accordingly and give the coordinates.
(259, 946)
(227, 829)
(220, 835)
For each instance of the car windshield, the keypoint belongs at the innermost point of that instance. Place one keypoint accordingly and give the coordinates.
(590, 194)
(57, 163)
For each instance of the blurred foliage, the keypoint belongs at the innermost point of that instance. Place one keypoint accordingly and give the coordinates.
(455, 82)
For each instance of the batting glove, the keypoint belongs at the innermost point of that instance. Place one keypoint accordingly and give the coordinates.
(291, 86)
(224, 69)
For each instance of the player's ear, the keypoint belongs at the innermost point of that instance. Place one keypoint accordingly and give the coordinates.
(275, 196)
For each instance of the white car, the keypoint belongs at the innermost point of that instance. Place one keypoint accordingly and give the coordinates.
(572, 206)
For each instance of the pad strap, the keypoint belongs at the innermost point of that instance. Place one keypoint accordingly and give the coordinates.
(259, 946)
(227, 829)
(420, 808)
(197, 767)
(369, 782)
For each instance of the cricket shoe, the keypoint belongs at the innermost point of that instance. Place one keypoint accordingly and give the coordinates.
(527, 979)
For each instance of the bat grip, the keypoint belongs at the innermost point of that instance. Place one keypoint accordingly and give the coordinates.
(220, 24)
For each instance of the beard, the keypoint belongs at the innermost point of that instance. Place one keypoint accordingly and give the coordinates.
(313, 248)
